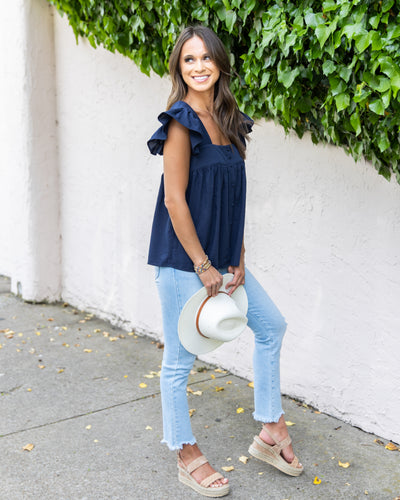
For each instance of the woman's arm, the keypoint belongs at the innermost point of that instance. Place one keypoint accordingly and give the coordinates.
(176, 176)
(238, 274)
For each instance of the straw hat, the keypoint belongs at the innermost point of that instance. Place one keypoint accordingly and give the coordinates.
(207, 322)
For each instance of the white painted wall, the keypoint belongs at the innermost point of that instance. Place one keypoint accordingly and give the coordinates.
(322, 235)
(29, 197)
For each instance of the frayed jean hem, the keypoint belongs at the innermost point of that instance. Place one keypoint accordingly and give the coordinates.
(177, 448)
(264, 420)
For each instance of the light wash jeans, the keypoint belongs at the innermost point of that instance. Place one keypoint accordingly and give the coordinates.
(268, 325)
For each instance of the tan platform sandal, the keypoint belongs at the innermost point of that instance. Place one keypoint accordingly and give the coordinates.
(204, 488)
(271, 454)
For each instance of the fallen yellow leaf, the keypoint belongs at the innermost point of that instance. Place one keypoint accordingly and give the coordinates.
(50, 319)
(228, 468)
(289, 423)
(64, 328)
(212, 376)
(251, 384)
(219, 389)
(28, 447)
(391, 447)
(345, 465)
(41, 366)
(97, 330)
(142, 385)
(20, 335)
(87, 350)
(243, 459)
(60, 370)
(38, 333)
(228, 382)
(149, 376)
(148, 428)
(240, 410)
(317, 480)
(88, 427)
(125, 376)
(191, 412)
(378, 441)
(29, 389)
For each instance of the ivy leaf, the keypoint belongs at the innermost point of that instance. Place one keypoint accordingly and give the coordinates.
(200, 13)
(393, 31)
(383, 141)
(287, 76)
(374, 21)
(376, 40)
(355, 123)
(345, 72)
(377, 107)
(328, 67)
(230, 20)
(322, 32)
(342, 101)
(353, 30)
(330, 5)
(362, 42)
(387, 5)
(393, 73)
(338, 86)
(265, 79)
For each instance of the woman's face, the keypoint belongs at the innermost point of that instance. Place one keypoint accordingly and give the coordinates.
(198, 70)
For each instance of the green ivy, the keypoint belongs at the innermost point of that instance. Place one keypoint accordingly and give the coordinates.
(328, 67)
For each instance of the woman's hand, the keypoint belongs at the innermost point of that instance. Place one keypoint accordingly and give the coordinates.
(212, 280)
(238, 277)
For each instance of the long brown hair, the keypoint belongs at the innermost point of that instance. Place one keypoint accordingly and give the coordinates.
(226, 112)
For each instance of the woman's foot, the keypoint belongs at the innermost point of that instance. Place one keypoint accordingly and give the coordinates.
(188, 454)
(273, 433)
(273, 446)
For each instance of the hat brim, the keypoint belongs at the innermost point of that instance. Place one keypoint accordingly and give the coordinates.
(190, 338)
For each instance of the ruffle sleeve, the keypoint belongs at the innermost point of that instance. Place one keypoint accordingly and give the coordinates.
(248, 126)
(183, 114)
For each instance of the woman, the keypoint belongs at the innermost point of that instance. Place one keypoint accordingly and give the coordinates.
(197, 236)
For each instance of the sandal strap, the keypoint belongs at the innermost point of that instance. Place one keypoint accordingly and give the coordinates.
(295, 462)
(279, 444)
(197, 462)
(211, 479)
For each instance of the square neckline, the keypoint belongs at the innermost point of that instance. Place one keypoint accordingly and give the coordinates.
(230, 145)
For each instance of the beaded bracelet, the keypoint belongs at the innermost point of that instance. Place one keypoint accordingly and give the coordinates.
(203, 267)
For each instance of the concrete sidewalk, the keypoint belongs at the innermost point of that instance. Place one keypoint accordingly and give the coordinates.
(86, 395)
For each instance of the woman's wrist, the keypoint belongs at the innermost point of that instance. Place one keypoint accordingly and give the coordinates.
(203, 266)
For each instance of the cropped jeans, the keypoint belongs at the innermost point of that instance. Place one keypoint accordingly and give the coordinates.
(268, 325)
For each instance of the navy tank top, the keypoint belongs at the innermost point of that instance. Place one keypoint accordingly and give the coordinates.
(216, 196)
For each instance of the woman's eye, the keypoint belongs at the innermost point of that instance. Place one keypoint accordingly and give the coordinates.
(188, 59)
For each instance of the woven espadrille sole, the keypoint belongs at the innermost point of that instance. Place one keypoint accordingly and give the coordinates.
(188, 480)
(269, 455)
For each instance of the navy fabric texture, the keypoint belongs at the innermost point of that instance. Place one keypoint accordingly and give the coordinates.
(216, 196)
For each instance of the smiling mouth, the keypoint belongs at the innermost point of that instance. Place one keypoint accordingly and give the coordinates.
(201, 78)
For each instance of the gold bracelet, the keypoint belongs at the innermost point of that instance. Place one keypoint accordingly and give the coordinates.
(204, 266)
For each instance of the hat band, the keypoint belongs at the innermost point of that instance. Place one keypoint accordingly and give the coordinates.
(199, 311)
